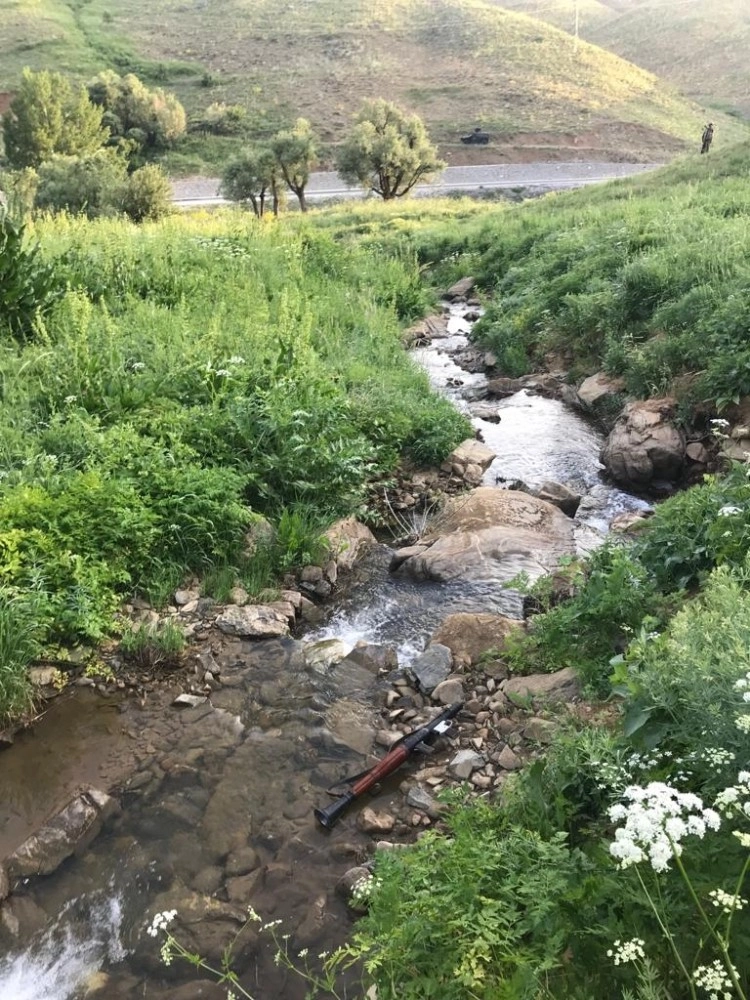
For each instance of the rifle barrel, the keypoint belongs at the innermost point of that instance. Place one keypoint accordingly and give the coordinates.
(390, 763)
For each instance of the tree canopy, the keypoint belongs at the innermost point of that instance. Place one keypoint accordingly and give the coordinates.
(48, 117)
(251, 176)
(132, 112)
(388, 151)
(295, 154)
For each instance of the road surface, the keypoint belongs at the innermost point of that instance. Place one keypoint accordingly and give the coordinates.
(195, 192)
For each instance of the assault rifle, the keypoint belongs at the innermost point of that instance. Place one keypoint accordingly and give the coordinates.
(390, 763)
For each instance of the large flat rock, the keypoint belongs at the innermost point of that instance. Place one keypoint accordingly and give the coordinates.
(490, 535)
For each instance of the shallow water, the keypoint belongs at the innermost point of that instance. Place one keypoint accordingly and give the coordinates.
(240, 776)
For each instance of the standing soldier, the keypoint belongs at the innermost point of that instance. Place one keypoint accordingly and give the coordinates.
(708, 134)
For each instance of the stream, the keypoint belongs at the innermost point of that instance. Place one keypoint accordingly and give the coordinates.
(217, 799)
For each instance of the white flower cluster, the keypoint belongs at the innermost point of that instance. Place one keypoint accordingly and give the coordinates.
(160, 922)
(735, 800)
(726, 901)
(364, 887)
(222, 246)
(627, 951)
(744, 838)
(715, 980)
(656, 820)
(729, 509)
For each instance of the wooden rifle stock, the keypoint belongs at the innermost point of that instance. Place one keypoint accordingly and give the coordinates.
(390, 763)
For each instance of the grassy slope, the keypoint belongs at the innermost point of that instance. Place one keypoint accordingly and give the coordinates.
(646, 277)
(701, 47)
(456, 62)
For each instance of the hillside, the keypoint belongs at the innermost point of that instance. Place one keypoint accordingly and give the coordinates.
(700, 47)
(456, 62)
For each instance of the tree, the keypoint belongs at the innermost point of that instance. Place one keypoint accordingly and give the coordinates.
(46, 118)
(90, 185)
(388, 151)
(295, 154)
(152, 118)
(251, 176)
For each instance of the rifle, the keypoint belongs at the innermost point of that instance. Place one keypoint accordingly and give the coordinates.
(390, 763)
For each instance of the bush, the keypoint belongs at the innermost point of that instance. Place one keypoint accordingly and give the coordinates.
(28, 285)
(90, 186)
(147, 194)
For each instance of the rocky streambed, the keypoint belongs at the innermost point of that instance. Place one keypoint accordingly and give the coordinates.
(198, 794)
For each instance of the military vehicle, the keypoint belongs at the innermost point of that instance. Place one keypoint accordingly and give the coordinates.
(475, 138)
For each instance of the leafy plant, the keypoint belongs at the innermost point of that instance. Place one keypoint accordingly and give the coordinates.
(154, 646)
(28, 284)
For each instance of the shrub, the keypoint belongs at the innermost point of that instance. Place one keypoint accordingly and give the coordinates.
(91, 186)
(147, 194)
(28, 285)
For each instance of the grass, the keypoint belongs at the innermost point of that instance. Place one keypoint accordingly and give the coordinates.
(456, 62)
(643, 277)
(700, 47)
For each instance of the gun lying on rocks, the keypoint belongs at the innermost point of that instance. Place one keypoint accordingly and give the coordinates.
(398, 753)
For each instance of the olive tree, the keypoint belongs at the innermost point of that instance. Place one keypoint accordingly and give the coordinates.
(48, 117)
(132, 112)
(388, 151)
(295, 154)
(251, 176)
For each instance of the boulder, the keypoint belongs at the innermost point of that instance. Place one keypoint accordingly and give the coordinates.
(425, 331)
(465, 762)
(469, 460)
(374, 657)
(469, 635)
(431, 667)
(204, 926)
(560, 495)
(460, 290)
(69, 831)
(500, 388)
(253, 621)
(324, 654)
(449, 692)
(562, 685)
(645, 445)
(597, 388)
(348, 539)
(490, 535)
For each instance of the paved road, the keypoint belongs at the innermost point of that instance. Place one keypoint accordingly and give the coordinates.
(197, 191)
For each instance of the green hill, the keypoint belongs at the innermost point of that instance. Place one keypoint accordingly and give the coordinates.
(700, 47)
(456, 62)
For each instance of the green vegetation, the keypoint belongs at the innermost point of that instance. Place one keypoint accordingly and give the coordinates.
(388, 152)
(46, 118)
(457, 63)
(163, 387)
(643, 277)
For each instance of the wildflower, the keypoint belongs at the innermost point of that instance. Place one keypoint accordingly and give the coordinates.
(735, 800)
(719, 422)
(657, 819)
(303, 953)
(627, 951)
(715, 980)
(222, 373)
(728, 510)
(160, 922)
(726, 901)
(744, 838)
(70, 399)
(743, 723)
(236, 360)
(166, 952)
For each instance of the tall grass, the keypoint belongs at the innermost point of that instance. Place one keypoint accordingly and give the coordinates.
(19, 644)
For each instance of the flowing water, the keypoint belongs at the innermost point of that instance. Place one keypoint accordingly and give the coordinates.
(217, 800)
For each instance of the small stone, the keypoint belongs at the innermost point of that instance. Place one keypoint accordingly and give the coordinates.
(508, 760)
(370, 821)
(449, 691)
(418, 798)
(386, 737)
(4, 883)
(465, 762)
(182, 597)
(481, 780)
(189, 700)
(238, 596)
(539, 730)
